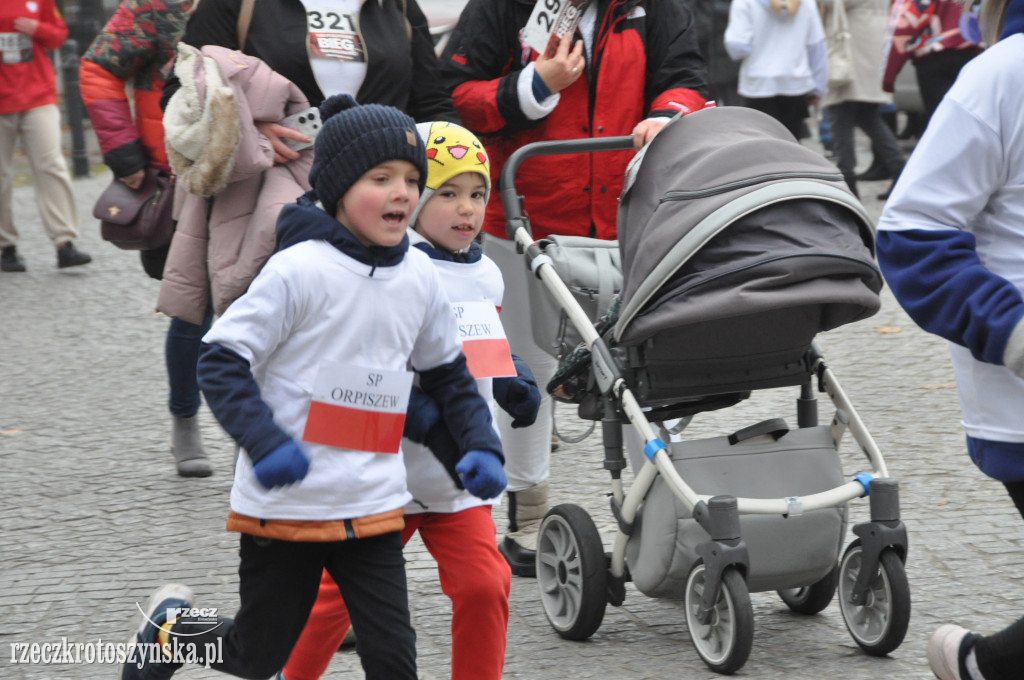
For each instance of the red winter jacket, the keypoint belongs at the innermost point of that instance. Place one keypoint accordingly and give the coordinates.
(647, 64)
(919, 28)
(27, 79)
(135, 47)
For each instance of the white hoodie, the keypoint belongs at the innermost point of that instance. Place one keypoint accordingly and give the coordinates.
(782, 54)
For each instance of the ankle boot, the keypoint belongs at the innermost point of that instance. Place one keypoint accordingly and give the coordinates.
(876, 171)
(10, 261)
(70, 256)
(187, 447)
(526, 509)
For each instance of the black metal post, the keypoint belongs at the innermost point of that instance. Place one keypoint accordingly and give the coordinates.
(75, 110)
(84, 18)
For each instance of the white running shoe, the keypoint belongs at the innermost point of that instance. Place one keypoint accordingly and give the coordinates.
(944, 651)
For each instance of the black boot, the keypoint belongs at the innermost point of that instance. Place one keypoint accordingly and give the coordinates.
(526, 509)
(875, 172)
(851, 181)
(69, 256)
(10, 261)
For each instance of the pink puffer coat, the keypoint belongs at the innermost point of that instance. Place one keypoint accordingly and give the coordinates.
(229, 190)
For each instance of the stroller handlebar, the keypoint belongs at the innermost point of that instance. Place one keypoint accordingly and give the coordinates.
(510, 199)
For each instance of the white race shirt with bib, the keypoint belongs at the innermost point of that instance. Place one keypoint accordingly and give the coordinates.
(310, 309)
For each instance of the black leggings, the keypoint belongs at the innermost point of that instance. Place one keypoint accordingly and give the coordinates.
(1001, 656)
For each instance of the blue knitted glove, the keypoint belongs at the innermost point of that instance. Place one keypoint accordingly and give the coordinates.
(482, 473)
(519, 396)
(421, 415)
(284, 465)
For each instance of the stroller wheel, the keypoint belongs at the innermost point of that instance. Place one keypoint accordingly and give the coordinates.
(813, 598)
(571, 572)
(880, 624)
(724, 642)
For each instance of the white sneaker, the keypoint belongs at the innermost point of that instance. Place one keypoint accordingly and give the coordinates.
(944, 652)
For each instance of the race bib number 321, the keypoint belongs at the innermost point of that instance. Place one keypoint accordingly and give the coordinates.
(333, 35)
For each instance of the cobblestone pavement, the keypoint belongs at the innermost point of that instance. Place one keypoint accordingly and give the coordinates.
(92, 516)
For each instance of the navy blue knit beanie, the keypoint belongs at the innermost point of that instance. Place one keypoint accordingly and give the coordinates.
(355, 139)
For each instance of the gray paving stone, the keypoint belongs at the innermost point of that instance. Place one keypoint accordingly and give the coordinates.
(93, 517)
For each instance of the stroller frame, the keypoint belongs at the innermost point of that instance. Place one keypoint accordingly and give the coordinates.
(882, 541)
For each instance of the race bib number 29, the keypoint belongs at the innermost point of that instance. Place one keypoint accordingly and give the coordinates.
(361, 409)
(551, 19)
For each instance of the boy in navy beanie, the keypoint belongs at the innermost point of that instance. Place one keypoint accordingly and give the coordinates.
(309, 372)
(354, 139)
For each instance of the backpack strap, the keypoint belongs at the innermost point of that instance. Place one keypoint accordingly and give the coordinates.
(244, 19)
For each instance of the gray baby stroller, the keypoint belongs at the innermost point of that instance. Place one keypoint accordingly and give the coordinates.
(738, 245)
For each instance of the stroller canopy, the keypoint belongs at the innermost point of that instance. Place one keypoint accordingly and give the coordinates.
(726, 215)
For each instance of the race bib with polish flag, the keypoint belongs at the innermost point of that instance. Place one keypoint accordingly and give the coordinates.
(483, 340)
(362, 409)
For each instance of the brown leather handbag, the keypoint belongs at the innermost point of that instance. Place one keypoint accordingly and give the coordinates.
(137, 219)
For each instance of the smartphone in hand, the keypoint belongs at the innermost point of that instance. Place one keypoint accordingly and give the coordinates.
(307, 122)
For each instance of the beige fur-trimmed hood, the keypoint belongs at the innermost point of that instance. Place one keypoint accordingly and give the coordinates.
(201, 124)
(233, 190)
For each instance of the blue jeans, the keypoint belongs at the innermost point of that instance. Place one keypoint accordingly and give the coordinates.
(181, 355)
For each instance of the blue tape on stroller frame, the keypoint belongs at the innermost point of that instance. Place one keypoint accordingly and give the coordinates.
(652, 447)
(865, 480)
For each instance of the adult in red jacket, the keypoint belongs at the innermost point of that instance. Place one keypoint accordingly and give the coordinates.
(938, 37)
(136, 46)
(28, 109)
(631, 66)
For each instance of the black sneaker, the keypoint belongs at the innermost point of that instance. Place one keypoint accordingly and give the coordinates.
(147, 646)
(10, 261)
(69, 256)
(522, 561)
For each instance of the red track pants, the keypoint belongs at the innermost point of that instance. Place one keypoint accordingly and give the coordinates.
(472, 573)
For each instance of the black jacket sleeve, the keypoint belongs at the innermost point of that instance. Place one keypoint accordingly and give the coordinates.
(674, 59)
(429, 100)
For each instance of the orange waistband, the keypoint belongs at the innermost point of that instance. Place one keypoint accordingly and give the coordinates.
(311, 531)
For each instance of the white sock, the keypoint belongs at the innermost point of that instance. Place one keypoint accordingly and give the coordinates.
(972, 667)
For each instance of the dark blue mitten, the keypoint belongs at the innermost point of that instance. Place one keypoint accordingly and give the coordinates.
(518, 396)
(421, 415)
(284, 465)
(482, 473)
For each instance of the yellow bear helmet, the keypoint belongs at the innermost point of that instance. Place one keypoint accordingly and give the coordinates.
(452, 150)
